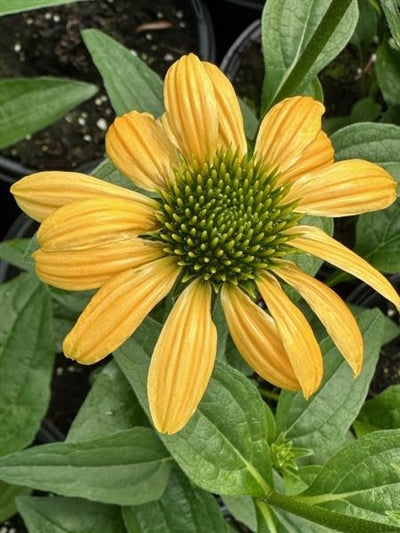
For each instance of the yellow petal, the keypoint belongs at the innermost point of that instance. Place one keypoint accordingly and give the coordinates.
(40, 194)
(318, 155)
(296, 333)
(117, 309)
(183, 359)
(256, 337)
(231, 128)
(287, 130)
(316, 242)
(139, 147)
(191, 108)
(331, 310)
(88, 268)
(344, 188)
(93, 222)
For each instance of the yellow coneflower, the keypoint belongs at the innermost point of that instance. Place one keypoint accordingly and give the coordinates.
(223, 221)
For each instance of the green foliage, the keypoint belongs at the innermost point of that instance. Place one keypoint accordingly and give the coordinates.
(8, 494)
(128, 467)
(26, 360)
(387, 69)
(391, 10)
(69, 515)
(382, 412)
(130, 84)
(29, 104)
(16, 6)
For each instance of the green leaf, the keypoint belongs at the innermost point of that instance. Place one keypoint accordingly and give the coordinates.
(16, 6)
(182, 507)
(8, 494)
(242, 509)
(299, 39)
(14, 252)
(382, 412)
(106, 171)
(30, 104)
(362, 480)
(378, 238)
(129, 467)
(129, 82)
(290, 523)
(366, 31)
(322, 422)
(223, 448)
(307, 262)
(110, 406)
(26, 360)
(391, 10)
(374, 142)
(387, 69)
(69, 515)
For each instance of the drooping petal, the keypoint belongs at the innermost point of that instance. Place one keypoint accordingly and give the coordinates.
(139, 147)
(345, 188)
(314, 241)
(88, 268)
(331, 310)
(257, 338)
(191, 108)
(230, 119)
(183, 359)
(318, 155)
(117, 309)
(40, 194)
(287, 130)
(296, 334)
(94, 222)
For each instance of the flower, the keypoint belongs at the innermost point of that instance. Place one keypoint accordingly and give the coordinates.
(220, 222)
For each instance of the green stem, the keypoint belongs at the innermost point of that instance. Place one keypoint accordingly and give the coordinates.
(265, 521)
(325, 517)
(269, 394)
(313, 49)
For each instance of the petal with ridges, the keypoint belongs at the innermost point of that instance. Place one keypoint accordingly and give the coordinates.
(117, 309)
(89, 268)
(344, 188)
(256, 337)
(94, 222)
(314, 241)
(296, 334)
(40, 194)
(230, 119)
(318, 155)
(139, 147)
(331, 310)
(183, 359)
(191, 108)
(287, 130)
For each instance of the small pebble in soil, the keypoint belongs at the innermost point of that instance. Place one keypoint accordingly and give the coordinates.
(17, 47)
(102, 124)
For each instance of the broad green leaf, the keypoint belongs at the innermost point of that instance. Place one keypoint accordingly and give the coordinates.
(378, 238)
(391, 10)
(250, 120)
(362, 480)
(322, 422)
(69, 515)
(374, 142)
(109, 407)
(129, 467)
(106, 171)
(16, 6)
(382, 412)
(223, 448)
(182, 507)
(296, 46)
(307, 262)
(26, 360)
(129, 82)
(290, 523)
(242, 509)
(30, 104)
(8, 493)
(14, 252)
(367, 27)
(387, 69)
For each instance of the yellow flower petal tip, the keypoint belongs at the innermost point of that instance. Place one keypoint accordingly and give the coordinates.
(221, 220)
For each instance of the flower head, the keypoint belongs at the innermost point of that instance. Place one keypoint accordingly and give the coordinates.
(222, 222)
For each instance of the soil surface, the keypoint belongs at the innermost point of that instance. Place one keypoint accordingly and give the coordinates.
(47, 42)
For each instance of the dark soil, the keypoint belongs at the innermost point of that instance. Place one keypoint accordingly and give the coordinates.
(47, 42)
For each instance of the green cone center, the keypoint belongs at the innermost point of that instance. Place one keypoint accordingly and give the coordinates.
(224, 220)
